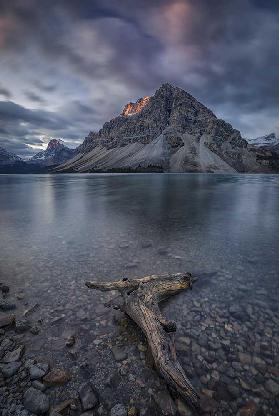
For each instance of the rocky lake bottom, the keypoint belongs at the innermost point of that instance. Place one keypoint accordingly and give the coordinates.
(62, 351)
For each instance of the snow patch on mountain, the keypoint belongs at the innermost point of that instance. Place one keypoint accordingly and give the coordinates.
(269, 140)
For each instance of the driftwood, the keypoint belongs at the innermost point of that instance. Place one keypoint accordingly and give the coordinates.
(140, 300)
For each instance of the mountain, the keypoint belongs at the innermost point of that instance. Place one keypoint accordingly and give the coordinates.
(7, 158)
(55, 154)
(269, 141)
(171, 132)
(11, 163)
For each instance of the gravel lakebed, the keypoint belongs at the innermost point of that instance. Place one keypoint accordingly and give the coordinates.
(78, 357)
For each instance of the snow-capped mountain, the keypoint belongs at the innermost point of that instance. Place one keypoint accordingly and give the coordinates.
(7, 158)
(269, 140)
(55, 154)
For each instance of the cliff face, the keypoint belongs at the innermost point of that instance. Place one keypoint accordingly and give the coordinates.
(170, 131)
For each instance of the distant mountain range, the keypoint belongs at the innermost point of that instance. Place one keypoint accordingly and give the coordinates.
(168, 132)
(44, 161)
(7, 158)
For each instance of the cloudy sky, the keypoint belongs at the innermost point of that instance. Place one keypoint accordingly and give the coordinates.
(67, 66)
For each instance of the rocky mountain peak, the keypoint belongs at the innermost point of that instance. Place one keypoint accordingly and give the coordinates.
(55, 153)
(55, 144)
(170, 131)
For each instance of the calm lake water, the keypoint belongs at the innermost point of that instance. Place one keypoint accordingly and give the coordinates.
(74, 225)
(57, 231)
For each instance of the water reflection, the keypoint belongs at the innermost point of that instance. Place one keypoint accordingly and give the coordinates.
(67, 217)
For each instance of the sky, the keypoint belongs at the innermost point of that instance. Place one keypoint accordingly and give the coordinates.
(68, 66)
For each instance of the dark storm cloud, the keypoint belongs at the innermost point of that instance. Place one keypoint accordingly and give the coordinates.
(44, 87)
(5, 92)
(34, 97)
(20, 126)
(91, 57)
(10, 111)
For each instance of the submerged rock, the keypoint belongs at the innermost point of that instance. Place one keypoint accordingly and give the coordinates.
(119, 353)
(6, 320)
(10, 369)
(38, 371)
(88, 397)
(23, 325)
(118, 410)
(35, 401)
(208, 405)
(249, 409)
(35, 330)
(245, 358)
(14, 355)
(165, 403)
(57, 377)
(272, 387)
(70, 342)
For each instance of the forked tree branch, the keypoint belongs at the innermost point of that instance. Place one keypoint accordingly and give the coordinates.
(141, 298)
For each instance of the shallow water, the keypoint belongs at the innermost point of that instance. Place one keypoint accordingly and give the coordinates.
(56, 231)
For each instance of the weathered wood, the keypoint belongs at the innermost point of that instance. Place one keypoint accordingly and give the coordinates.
(140, 300)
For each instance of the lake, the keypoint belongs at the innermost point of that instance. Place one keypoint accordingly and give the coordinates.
(57, 231)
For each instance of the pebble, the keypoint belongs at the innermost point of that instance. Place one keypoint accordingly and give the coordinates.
(272, 387)
(119, 353)
(183, 409)
(142, 348)
(38, 385)
(8, 370)
(70, 342)
(88, 397)
(245, 358)
(249, 409)
(233, 391)
(35, 330)
(38, 371)
(236, 312)
(6, 320)
(132, 411)
(57, 377)
(14, 355)
(165, 403)
(62, 407)
(35, 401)
(208, 405)
(22, 325)
(20, 296)
(118, 410)
(5, 289)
